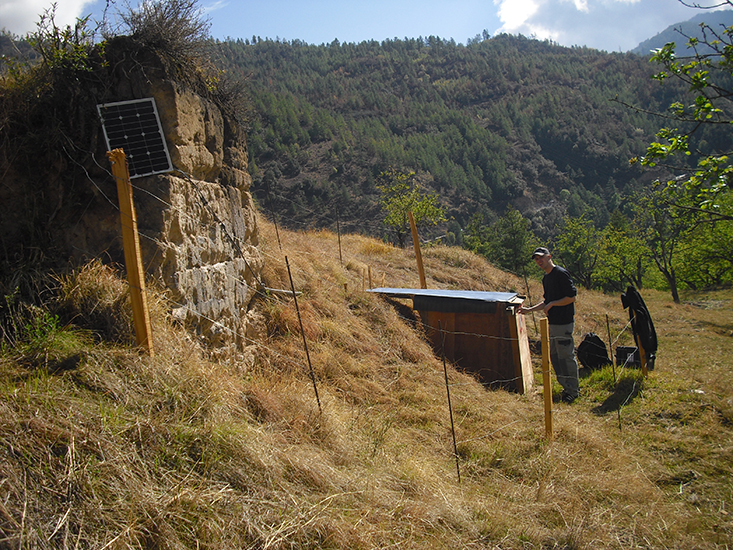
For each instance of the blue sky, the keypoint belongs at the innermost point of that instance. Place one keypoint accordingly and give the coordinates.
(611, 25)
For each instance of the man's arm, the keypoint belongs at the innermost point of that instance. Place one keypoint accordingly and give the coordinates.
(535, 307)
(567, 300)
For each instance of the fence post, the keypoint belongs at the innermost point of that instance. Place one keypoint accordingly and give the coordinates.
(418, 252)
(450, 407)
(546, 381)
(642, 351)
(610, 348)
(305, 342)
(131, 247)
(338, 231)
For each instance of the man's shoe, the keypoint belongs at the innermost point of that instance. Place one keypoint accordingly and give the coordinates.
(567, 398)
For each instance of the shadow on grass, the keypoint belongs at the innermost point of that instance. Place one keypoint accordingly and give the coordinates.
(724, 329)
(624, 393)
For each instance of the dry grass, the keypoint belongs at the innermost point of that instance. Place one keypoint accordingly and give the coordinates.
(121, 451)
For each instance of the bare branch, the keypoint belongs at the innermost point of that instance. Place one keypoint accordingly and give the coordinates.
(697, 6)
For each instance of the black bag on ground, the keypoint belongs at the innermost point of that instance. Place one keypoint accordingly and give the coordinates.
(592, 352)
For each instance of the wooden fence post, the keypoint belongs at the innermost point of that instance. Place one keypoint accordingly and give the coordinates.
(133, 255)
(642, 352)
(450, 407)
(418, 253)
(546, 380)
(305, 342)
(338, 231)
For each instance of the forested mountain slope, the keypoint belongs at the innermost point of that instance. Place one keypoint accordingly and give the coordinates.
(498, 121)
(678, 33)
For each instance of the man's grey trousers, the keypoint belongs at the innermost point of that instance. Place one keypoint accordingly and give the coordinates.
(562, 356)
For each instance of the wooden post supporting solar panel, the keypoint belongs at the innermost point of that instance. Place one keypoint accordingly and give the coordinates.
(418, 253)
(131, 246)
(546, 381)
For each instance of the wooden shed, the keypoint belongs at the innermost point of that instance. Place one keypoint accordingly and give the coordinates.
(482, 332)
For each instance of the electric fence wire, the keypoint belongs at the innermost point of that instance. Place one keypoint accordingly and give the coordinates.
(259, 290)
(233, 241)
(163, 245)
(373, 227)
(335, 287)
(416, 322)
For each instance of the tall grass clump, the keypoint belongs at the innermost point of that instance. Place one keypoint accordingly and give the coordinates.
(94, 297)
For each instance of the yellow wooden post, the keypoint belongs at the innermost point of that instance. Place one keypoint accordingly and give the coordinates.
(643, 359)
(418, 253)
(642, 352)
(546, 381)
(131, 247)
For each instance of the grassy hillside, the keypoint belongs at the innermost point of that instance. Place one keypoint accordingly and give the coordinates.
(105, 448)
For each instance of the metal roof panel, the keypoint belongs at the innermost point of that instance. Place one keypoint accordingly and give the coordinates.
(476, 295)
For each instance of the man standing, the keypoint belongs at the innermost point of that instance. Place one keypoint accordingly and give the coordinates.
(558, 305)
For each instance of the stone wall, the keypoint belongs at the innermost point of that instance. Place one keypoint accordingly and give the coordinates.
(198, 224)
(205, 248)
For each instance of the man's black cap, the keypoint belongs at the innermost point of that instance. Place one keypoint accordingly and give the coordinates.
(540, 251)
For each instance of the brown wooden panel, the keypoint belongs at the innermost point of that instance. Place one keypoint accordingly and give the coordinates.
(492, 346)
(522, 359)
(445, 321)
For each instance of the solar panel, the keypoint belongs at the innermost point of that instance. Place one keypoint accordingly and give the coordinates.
(134, 127)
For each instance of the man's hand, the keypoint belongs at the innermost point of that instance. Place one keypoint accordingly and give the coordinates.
(535, 307)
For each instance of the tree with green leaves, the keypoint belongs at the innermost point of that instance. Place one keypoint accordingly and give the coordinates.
(476, 236)
(508, 242)
(401, 194)
(706, 72)
(577, 247)
(624, 257)
(664, 228)
(687, 219)
(706, 259)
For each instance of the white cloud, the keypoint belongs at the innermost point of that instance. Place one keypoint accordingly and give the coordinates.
(215, 6)
(21, 16)
(514, 13)
(543, 33)
(581, 5)
(602, 24)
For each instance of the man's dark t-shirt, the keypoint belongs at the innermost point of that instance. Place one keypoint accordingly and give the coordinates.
(558, 284)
